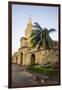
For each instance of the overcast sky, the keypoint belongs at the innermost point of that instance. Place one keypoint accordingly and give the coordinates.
(44, 15)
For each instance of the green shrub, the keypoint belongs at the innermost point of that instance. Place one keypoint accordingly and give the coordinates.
(51, 72)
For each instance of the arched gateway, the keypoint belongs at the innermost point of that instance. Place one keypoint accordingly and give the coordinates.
(32, 58)
(21, 62)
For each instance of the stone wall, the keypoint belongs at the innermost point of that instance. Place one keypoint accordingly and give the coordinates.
(40, 56)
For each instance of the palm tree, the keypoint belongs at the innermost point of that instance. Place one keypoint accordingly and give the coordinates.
(41, 38)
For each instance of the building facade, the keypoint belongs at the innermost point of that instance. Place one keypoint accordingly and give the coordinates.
(27, 55)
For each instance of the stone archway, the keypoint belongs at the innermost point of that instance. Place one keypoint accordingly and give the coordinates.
(21, 61)
(32, 58)
(16, 59)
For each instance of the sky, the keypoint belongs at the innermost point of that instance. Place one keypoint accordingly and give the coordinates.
(44, 15)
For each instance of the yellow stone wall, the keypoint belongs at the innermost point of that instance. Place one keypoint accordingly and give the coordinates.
(19, 57)
(39, 57)
(13, 59)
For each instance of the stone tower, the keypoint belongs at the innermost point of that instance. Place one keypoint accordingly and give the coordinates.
(24, 41)
(29, 28)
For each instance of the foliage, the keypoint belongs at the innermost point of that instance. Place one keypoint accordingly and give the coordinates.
(48, 70)
(40, 37)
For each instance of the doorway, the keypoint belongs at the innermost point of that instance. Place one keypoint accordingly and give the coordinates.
(33, 59)
(21, 58)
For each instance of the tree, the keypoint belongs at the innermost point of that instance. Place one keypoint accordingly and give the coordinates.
(41, 38)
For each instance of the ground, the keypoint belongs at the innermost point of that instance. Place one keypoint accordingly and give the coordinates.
(21, 77)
